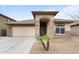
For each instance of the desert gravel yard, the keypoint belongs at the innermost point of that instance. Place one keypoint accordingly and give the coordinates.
(58, 46)
(16, 45)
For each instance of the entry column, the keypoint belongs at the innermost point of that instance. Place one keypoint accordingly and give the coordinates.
(51, 27)
(37, 28)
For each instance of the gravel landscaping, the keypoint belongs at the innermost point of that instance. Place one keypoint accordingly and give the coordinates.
(58, 46)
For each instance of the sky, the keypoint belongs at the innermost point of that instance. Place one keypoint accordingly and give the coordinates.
(70, 12)
(23, 12)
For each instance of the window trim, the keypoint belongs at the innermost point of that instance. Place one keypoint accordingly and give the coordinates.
(60, 30)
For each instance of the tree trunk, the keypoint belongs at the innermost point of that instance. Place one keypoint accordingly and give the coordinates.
(44, 46)
(47, 45)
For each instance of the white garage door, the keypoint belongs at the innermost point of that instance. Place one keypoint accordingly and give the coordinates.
(23, 31)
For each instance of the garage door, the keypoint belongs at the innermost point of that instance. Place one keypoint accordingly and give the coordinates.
(23, 31)
(75, 30)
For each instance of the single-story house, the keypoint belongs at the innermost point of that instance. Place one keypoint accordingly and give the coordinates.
(3, 26)
(43, 23)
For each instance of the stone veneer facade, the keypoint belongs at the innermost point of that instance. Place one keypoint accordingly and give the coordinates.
(50, 25)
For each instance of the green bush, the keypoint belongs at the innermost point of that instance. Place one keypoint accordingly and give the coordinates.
(42, 39)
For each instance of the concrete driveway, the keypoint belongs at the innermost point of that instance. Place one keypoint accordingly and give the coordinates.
(16, 45)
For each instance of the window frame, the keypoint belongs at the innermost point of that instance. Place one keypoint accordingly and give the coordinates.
(60, 26)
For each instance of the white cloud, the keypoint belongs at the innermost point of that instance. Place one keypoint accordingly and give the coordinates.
(70, 12)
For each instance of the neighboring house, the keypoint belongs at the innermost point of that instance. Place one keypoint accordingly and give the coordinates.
(43, 23)
(3, 26)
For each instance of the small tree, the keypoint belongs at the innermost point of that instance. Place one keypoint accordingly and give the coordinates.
(45, 41)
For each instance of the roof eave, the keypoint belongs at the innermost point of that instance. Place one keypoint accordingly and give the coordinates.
(7, 17)
(44, 12)
(17, 23)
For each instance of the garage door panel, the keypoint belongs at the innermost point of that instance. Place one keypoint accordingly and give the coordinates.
(23, 31)
(75, 30)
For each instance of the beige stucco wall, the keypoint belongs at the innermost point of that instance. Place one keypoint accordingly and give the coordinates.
(3, 25)
(67, 30)
(2, 22)
(9, 31)
(75, 30)
(44, 16)
(67, 27)
(27, 31)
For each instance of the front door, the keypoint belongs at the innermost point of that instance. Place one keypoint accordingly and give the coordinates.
(43, 26)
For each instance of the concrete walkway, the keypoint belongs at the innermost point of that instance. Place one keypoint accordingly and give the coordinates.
(16, 45)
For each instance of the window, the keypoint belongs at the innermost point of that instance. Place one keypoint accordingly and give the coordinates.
(60, 29)
(3, 32)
